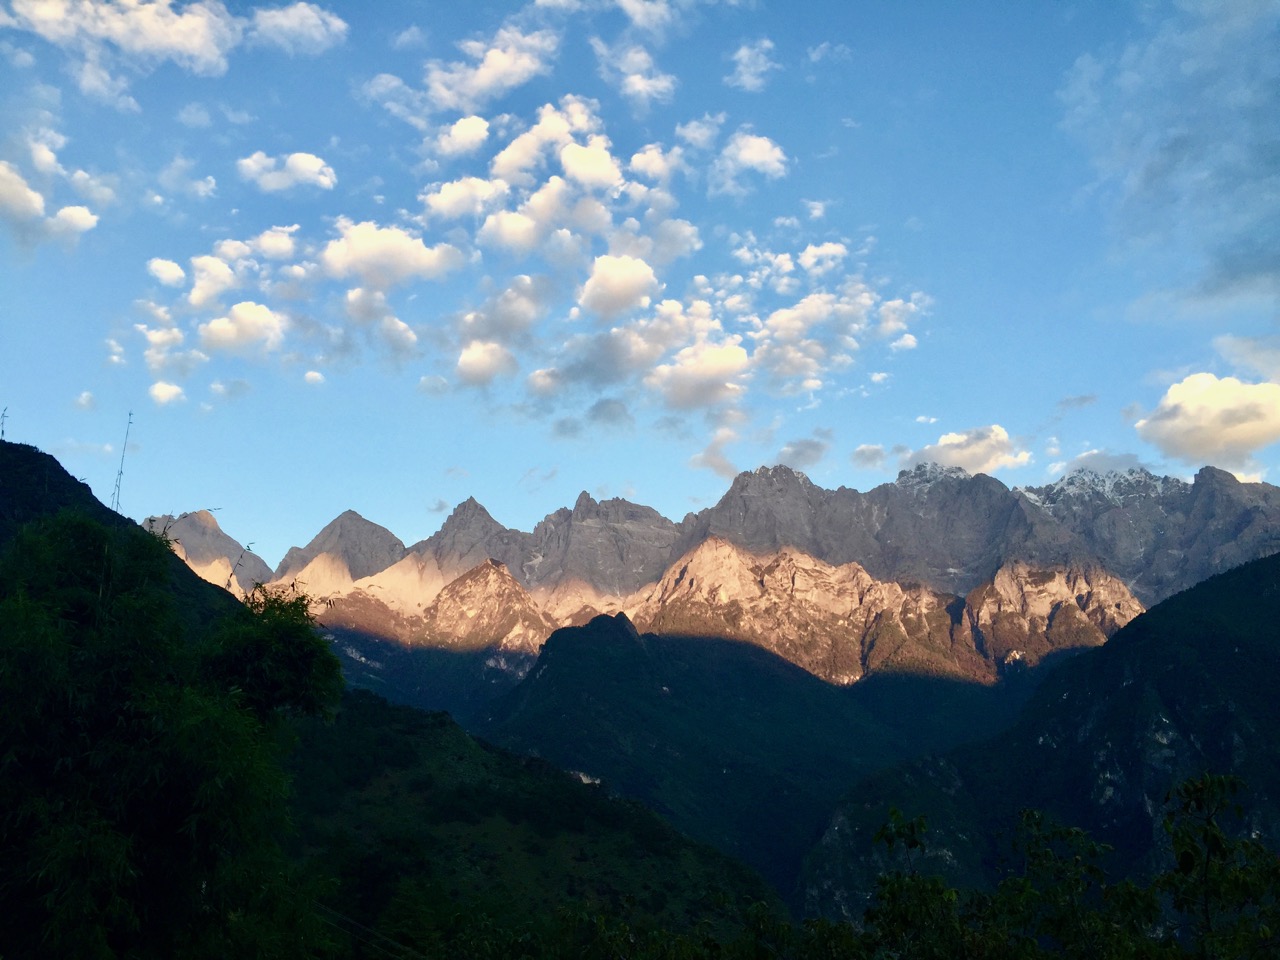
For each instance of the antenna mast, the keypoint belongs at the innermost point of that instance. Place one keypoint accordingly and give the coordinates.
(4, 415)
(115, 494)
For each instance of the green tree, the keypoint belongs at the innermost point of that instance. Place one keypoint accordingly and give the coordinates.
(141, 794)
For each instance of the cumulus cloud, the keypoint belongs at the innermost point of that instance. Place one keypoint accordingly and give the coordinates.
(746, 152)
(86, 401)
(822, 258)
(618, 285)
(980, 450)
(385, 256)
(657, 164)
(166, 271)
(313, 377)
(274, 174)
(213, 277)
(106, 38)
(701, 134)
(631, 68)
(703, 374)
(246, 325)
(463, 136)
(752, 65)
(300, 28)
(469, 196)
(165, 393)
(1204, 419)
(592, 165)
(23, 209)
(177, 178)
(18, 201)
(653, 16)
(482, 361)
(277, 243)
(496, 67)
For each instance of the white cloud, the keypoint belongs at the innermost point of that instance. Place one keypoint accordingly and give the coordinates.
(166, 271)
(703, 374)
(73, 220)
(482, 361)
(651, 15)
(1260, 355)
(980, 450)
(274, 174)
(618, 285)
(313, 377)
(86, 401)
(746, 152)
(907, 341)
(213, 276)
(300, 28)
(164, 393)
(751, 65)
(701, 134)
(822, 258)
(276, 243)
(18, 202)
(593, 166)
(633, 71)
(556, 126)
(1204, 419)
(246, 324)
(385, 256)
(465, 135)
(470, 196)
(509, 60)
(657, 164)
(136, 36)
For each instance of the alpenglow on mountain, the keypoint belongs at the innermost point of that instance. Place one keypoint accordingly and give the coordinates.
(939, 571)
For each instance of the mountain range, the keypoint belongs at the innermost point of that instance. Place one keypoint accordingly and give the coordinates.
(938, 571)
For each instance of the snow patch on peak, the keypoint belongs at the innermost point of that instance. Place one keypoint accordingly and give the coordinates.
(1114, 486)
(924, 475)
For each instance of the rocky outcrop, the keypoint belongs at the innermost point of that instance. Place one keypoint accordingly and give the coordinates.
(1024, 614)
(613, 545)
(362, 546)
(211, 553)
(1159, 534)
(840, 623)
(484, 608)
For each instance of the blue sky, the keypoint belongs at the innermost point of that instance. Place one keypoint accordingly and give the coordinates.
(387, 256)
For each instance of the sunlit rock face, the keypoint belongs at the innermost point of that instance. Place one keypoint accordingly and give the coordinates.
(939, 571)
(210, 553)
(362, 546)
(841, 623)
(485, 607)
(1025, 613)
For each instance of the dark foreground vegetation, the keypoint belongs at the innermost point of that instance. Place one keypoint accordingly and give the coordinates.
(147, 746)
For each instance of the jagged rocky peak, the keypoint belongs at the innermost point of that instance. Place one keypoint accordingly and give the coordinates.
(770, 480)
(924, 475)
(485, 607)
(1111, 486)
(210, 552)
(365, 547)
